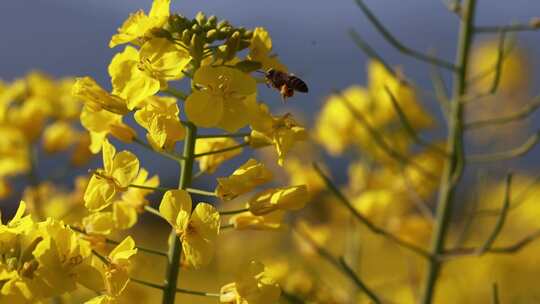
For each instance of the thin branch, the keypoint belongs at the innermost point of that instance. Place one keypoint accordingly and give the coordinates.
(372, 227)
(113, 242)
(400, 46)
(510, 154)
(409, 128)
(370, 52)
(509, 249)
(154, 211)
(532, 25)
(162, 189)
(169, 155)
(498, 64)
(339, 264)
(502, 217)
(223, 135)
(198, 293)
(239, 146)
(381, 142)
(495, 294)
(350, 272)
(230, 212)
(483, 74)
(148, 284)
(441, 91)
(528, 110)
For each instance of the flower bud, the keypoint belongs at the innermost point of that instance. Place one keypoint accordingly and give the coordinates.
(201, 18)
(288, 198)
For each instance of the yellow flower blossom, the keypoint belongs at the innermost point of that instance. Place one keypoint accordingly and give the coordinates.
(119, 171)
(59, 136)
(136, 75)
(250, 221)
(260, 50)
(198, 230)
(224, 99)
(102, 123)
(14, 151)
(209, 163)
(282, 132)
(244, 179)
(287, 198)
(160, 118)
(139, 25)
(252, 286)
(96, 98)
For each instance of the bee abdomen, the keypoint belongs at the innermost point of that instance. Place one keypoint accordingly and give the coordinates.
(298, 84)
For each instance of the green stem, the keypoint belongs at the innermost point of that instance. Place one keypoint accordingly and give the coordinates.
(453, 167)
(172, 156)
(175, 246)
(229, 212)
(223, 135)
(231, 148)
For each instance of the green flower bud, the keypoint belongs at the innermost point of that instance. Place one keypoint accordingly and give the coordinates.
(222, 24)
(196, 28)
(196, 46)
(243, 44)
(212, 21)
(186, 36)
(201, 18)
(248, 34)
(211, 35)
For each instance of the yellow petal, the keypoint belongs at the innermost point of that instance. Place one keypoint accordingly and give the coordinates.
(98, 194)
(172, 203)
(203, 109)
(125, 168)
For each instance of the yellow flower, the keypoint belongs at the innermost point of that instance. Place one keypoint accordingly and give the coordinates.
(288, 198)
(159, 117)
(81, 153)
(378, 79)
(139, 25)
(282, 132)
(250, 221)
(119, 172)
(101, 223)
(224, 99)
(260, 50)
(117, 270)
(301, 173)
(198, 230)
(137, 75)
(59, 136)
(253, 286)
(102, 123)
(14, 151)
(126, 210)
(244, 179)
(96, 98)
(209, 163)
(382, 205)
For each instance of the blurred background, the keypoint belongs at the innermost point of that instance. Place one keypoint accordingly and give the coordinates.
(70, 38)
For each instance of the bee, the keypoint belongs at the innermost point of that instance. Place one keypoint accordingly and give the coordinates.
(286, 83)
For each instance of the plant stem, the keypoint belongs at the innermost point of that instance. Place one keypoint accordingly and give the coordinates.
(175, 246)
(453, 167)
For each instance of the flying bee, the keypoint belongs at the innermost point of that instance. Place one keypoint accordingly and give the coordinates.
(286, 83)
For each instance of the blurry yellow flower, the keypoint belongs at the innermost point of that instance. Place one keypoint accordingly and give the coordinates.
(59, 136)
(14, 151)
(5, 188)
(406, 97)
(159, 117)
(304, 174)
(96, 98)
(101, 223)
(515, 72)
(282, 132)
(137, 75)
(139, 25)
(102, 123)
(198, 230)
(381, 205)
(252, 286)
(244, 179)
(132, 202)
(117, 270)
(119, 172)
(82, 153)
(249, 221)
(260, 50)
(288, 198)
(209, 163)
(223, 100)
